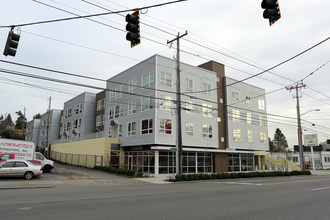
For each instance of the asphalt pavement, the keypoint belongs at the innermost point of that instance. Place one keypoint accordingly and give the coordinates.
(64, 175)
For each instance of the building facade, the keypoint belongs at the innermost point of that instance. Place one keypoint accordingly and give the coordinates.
(78, 118)
(32, 131)
(53, 126)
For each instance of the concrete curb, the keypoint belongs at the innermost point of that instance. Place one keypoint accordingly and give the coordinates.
(32, 186)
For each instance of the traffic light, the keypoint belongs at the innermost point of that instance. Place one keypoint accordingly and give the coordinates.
(133, 28)
(12, 44)
(272, 10)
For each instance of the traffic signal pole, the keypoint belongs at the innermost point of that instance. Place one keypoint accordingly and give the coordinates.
(178, 105)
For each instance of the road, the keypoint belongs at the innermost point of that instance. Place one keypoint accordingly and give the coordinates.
(300, 197)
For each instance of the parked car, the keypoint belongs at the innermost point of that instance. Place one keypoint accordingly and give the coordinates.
(21, 168)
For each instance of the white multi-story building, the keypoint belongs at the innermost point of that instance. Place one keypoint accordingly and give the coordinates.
(141, 113)
(32, 130)
(78, 118)
(246, 116)
(53, 126)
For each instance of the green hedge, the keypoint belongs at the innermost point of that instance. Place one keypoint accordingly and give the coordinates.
(190, 177)
(118, 170)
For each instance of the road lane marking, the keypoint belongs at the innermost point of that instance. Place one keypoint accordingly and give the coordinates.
(243, 183)
(320, 189)
(240, 183)
(299, 181)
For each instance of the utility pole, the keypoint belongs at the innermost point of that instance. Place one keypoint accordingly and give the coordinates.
(178, 105)
(47, 132)
(301, 147)
(24, 121)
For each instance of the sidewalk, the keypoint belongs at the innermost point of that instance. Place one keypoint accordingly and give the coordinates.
(320, 172)
(158, 179)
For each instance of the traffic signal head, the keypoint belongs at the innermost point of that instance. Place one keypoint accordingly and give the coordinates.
(272, 10)
(12, 44)
(133, 28)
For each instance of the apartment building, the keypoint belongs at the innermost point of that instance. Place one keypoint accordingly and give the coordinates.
(53, 126)
(141, 113)
(32, 130)
(78, 118)
(223, 124)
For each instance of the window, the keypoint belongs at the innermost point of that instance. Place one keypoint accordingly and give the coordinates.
(190, 129)
(189, 85)
(249, 135)
(166, 79)
(237, 134)
(120, 130)
(99, 120)
(207, 110)
(131, 129)
(77, 123)
(235, 97)
(147, 126)
(147, 80)
(20, 164)
(131, 107)
(68, 126)
(68, 113)
(295, 159)
(263, 138)
(262, 120)
(165, 126)
(118, 92)
(248, 118)
(76, 109)
(80, 107)
(189, 108)
(146, 104)
(100, 105)
(165, 102)
(207, 131)
(111, 113)
(132, 85)
(206, 89)
(248, 101)
(327, 159)
(261, 104)
(235, 115)
(112, 95)
(118, 111)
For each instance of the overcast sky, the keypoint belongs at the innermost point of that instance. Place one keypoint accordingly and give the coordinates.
(230, 32)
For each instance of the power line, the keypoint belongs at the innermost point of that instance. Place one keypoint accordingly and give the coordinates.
(87, 16)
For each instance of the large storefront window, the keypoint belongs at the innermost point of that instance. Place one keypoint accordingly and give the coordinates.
(193, 162)
(204, 163)
(240, 162)
(233, 162)
(140, 161)
(167, 162)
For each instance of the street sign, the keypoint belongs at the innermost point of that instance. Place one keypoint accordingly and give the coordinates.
(310, 140)
(173, 149)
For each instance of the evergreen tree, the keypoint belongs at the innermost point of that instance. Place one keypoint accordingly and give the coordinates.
(271, 145)
(279, 141)
(37, 116)
(21, 121)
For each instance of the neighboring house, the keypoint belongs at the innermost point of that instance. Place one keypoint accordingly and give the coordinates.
(53, 116)
(321, 158)
(78, 118)
(32, 131)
